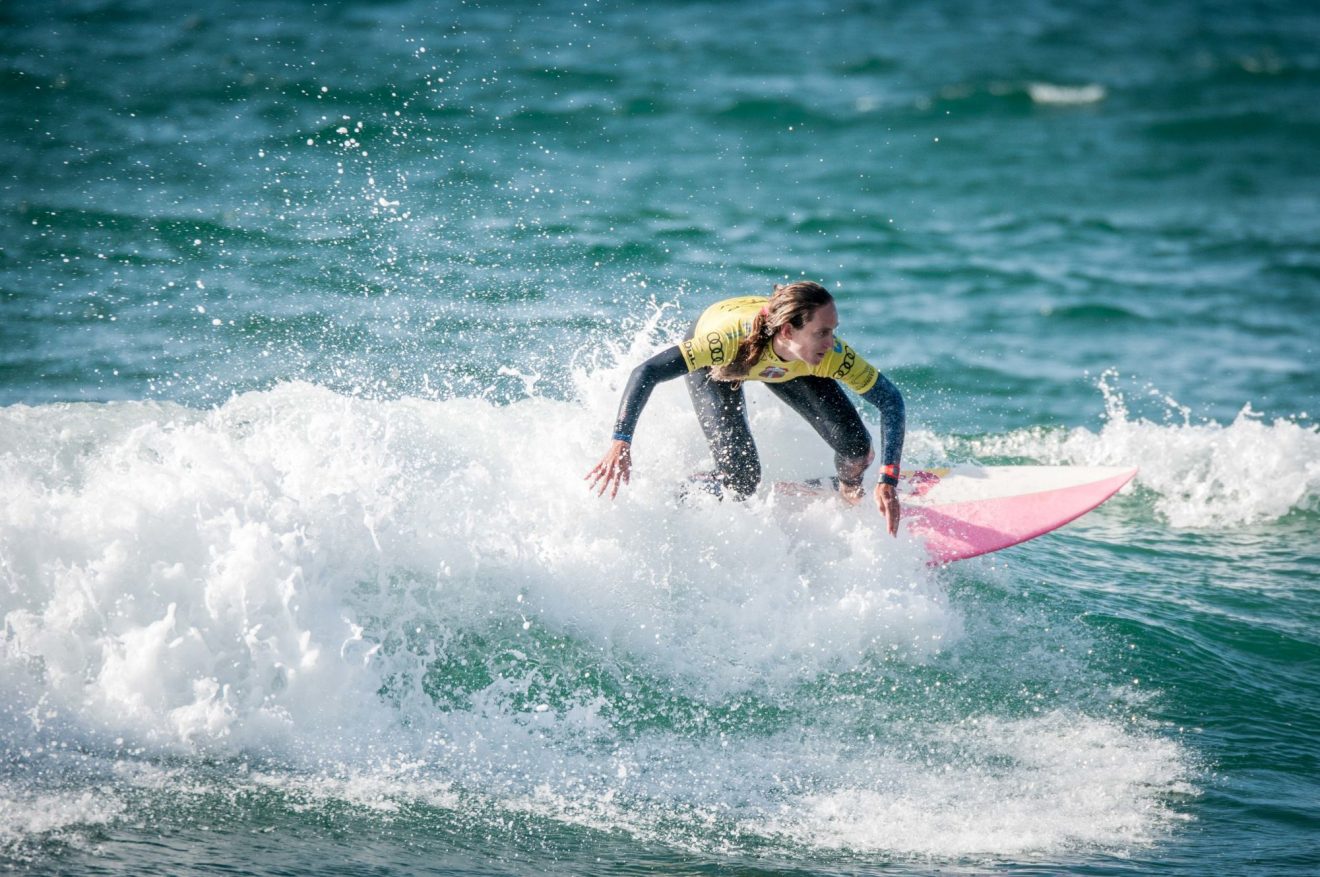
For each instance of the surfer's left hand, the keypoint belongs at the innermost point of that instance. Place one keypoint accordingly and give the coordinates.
(886, 499)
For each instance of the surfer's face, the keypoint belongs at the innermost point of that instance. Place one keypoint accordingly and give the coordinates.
(814, 339)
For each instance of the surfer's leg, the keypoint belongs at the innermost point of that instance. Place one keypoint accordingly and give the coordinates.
(722, 412)
(825, 406)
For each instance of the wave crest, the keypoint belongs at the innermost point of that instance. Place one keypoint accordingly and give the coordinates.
(1203, 475)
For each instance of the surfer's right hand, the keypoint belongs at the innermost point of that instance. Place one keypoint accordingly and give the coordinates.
(614, 469)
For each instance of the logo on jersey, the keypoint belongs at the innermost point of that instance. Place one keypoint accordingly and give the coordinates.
(716, 342)
(849, 360)
(865, 377)
(689, 354)
(838, 346)
(772, 372)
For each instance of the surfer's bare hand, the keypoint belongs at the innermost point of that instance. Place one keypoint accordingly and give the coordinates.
(886, 499)
(614, 469)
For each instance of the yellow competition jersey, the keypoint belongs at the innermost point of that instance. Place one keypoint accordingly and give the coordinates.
(724, 325)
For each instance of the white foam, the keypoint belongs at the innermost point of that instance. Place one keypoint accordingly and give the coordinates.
(992, 786)
(277, 577)
(1202, 474)
(1058, 782)
(226, 579)
(64, 815)
(1066, 95)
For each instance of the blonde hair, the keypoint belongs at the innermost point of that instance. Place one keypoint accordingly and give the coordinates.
(791, 304)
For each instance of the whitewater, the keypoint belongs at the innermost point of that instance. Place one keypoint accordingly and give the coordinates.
(396, 602)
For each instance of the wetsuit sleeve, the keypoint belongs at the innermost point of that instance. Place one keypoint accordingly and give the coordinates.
(893, 421)
(664, 366)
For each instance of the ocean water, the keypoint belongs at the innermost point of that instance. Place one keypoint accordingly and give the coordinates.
(314, 315)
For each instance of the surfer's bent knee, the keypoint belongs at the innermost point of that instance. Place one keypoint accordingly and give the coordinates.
(852, 468)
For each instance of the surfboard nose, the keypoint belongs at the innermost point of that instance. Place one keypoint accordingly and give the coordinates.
(959, 530)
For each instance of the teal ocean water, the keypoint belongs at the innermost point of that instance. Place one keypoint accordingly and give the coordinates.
(314, 315)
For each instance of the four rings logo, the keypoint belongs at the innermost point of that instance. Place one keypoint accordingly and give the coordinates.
(716, 342)
(849, 360)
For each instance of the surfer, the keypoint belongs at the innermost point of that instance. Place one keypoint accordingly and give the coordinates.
(786, 341)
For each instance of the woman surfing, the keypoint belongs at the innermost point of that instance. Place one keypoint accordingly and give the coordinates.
(786, 341)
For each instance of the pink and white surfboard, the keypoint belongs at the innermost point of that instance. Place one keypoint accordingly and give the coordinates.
(966, 511)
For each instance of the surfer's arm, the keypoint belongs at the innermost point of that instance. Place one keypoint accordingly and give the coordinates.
(846, 366)
(893, 426)
(664, 366)
(615, 468)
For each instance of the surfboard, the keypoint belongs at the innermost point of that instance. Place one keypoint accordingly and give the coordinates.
(966, 511)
